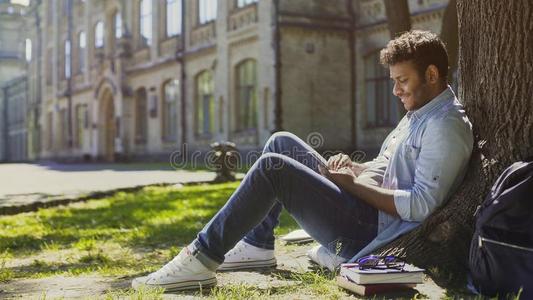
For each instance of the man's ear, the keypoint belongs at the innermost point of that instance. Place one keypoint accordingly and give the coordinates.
(432, 74)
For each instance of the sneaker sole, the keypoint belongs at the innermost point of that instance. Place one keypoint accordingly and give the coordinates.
(189, 285)
(269, 263)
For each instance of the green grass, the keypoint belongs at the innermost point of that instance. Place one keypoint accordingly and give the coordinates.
(125, 234)
(133, 233)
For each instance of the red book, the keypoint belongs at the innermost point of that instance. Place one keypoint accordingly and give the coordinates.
(372, 289)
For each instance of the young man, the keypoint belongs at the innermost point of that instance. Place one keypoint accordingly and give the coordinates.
(349, 208)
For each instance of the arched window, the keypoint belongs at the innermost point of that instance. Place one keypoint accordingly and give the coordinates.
(28, 50)
(81, 114)
(141, 118)
(207, 10)
(246, 92)
(173, 17)
(117, 19)
(170, 106)
(382, 108)
(145, 21)
(99, 34)
(205, 106)
(67, 59)
(82, 44)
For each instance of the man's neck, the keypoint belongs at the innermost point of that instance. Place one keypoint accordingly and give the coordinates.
(437, 92)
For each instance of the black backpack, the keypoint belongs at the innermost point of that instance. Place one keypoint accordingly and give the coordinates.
(501, 252)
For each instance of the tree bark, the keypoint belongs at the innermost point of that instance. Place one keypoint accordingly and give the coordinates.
(398, 16)
(496, 67)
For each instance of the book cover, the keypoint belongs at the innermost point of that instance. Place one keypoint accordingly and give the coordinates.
(372, 289)
(297, 236)
(409, 274)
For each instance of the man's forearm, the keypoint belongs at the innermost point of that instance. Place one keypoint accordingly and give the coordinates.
(380, 198)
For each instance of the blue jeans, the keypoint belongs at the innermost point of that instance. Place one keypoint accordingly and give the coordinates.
(286, 176)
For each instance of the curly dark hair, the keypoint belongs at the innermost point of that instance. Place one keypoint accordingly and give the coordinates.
(423, 48)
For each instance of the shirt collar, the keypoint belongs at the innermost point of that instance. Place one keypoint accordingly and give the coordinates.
(443, 98)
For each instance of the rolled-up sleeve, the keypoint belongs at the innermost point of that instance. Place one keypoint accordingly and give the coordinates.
(445, 150)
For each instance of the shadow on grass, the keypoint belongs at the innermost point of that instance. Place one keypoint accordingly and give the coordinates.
(140, 222)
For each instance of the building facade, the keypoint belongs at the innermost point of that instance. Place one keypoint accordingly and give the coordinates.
(140, 79)
(15, 53)
(14, 106)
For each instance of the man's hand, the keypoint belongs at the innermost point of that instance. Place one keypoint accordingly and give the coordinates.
(338, 161)
(380, 198)
(343, 177)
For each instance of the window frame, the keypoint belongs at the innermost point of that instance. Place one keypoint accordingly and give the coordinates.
(141, 113)
(244, 3)
(145, 41)
(99, 35)
(178, 15)
(386, 111)
(169, 117)
(207, 13)
(28, 50)
(80, 123)
(200, 100)
(67, 56)
(117, 22)
(82, 65)
(241, 87)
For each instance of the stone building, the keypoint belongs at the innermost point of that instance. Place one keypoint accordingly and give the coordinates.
(142, 78)
(12, 42)
(14, 107)
(15, 53)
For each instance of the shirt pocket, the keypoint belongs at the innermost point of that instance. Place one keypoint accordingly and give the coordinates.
(410, 152)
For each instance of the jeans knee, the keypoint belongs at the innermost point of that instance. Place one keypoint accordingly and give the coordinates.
(282, 139)
(272, 162)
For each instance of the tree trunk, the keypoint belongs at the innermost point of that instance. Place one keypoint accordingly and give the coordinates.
(496, 67)
(398, 16)
(398, 21)
(449, 35)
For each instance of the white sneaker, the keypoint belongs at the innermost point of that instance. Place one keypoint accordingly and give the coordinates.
(183, 272)
(246, 256)
(321, 256)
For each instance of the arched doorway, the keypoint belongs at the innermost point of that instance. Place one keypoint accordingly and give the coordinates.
(107, 127)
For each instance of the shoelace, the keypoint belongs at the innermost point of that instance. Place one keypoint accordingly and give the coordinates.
(239, 248)
(172, 267)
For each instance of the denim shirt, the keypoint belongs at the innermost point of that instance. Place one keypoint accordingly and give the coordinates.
(423, 160)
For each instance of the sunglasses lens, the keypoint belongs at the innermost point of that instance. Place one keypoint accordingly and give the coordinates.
(374, 261)
(368, 262)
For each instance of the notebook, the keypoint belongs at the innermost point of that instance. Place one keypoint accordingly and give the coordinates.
(297, 236)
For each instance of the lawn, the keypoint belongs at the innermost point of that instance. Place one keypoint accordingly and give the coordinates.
(125, 235)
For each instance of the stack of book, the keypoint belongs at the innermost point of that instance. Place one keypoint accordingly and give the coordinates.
(378, 280)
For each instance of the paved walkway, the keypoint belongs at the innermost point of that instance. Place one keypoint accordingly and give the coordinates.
(23, 184)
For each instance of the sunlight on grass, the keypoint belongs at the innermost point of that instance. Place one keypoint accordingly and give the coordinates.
(304, 285)
(152, 293)
(236, 291)
(125, 234)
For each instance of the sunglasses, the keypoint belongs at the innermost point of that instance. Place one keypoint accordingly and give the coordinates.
(380, 262)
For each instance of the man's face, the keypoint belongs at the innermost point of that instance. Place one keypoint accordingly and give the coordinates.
(409, 86)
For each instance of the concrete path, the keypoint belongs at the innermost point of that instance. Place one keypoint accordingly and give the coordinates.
(23, 184)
